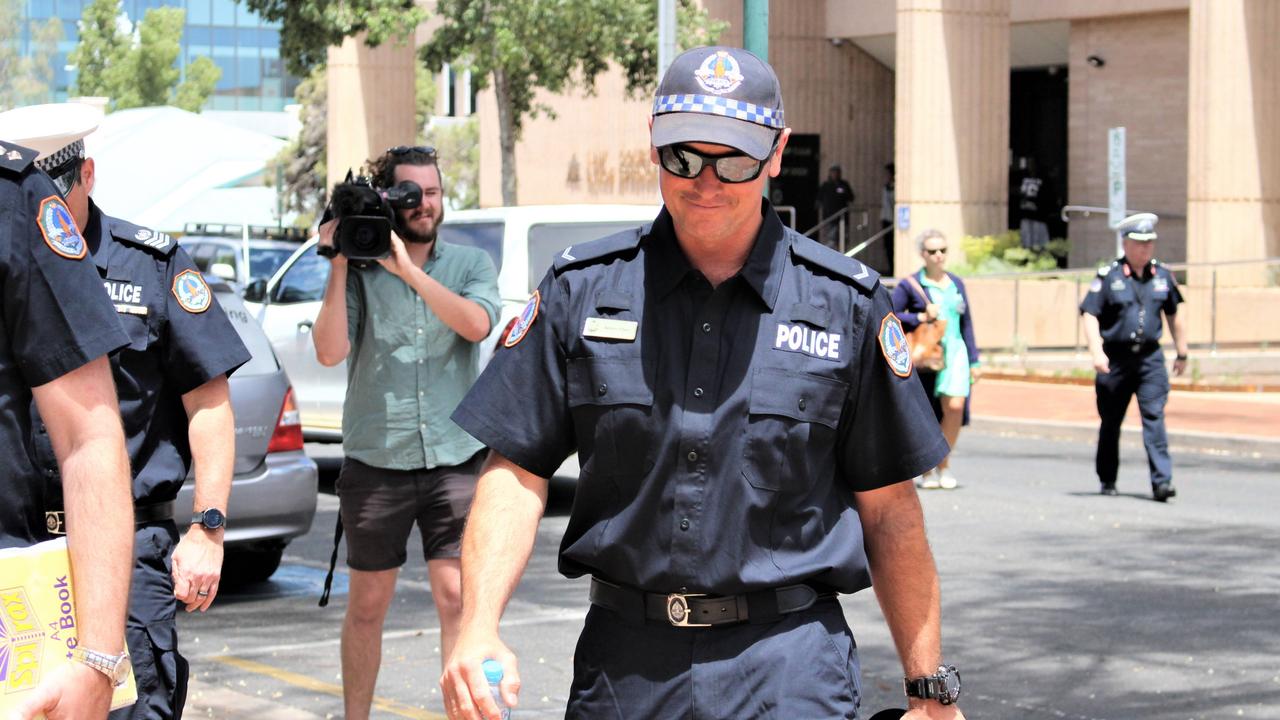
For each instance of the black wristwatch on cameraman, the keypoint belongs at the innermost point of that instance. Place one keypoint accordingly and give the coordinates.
(326, 251)
(943, 686)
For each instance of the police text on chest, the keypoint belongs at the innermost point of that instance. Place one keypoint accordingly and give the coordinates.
(803, 339)
(123, 292)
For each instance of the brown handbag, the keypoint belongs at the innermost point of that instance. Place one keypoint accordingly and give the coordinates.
(926, 340)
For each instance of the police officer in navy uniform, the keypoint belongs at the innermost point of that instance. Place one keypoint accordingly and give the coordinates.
(174, 398)
(745, 414)
(1122, 321)
(56, 329)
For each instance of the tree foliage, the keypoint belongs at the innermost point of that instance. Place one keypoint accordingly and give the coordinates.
(457, 142)
(29, 80)
(303, 159)
(138, 68)
(521, 46)
(309, 27)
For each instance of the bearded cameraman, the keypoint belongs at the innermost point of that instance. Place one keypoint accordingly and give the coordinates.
(409, 328)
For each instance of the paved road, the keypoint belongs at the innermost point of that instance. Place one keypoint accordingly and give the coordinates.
(1058, 603)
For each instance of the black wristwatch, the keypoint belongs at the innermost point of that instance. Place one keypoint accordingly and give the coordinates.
(943, 686)
(210, 519)
(326, 251)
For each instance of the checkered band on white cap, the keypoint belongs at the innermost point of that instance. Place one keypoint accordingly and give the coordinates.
(57, 159)
(714, 105)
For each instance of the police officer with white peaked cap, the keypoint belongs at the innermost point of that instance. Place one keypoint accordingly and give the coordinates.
(747, 420)
(174, 398)
(56, 332)
(1122, 322)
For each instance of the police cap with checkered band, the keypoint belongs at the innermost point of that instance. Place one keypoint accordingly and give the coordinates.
(55, 130)
(721, 95)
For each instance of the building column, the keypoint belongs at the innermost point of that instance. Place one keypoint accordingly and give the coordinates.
(952, 122)
(371, 102)
(1233, 149)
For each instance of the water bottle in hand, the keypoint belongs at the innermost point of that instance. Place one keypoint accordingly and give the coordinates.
(493, 673)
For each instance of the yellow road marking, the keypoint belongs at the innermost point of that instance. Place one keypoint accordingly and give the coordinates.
(309, 683)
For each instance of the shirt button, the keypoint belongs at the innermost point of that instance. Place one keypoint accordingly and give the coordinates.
(419, 361)
(693, 455)
(706, 327)
(603, 389)
(697, 392)
(801, 403)
(419, 331)
(684, 524)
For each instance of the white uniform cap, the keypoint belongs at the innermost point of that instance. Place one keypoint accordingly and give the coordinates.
(1140, 227)
(55, 130)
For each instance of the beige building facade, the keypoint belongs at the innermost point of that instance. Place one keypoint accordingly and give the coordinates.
(957, 93)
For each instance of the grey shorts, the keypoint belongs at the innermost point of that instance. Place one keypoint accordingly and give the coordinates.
(379, 507)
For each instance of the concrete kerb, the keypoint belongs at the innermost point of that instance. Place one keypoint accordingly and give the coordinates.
(1179, 441)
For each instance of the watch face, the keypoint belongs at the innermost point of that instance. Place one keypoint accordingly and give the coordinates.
(213, 518)
(122, 671)
(951, 684)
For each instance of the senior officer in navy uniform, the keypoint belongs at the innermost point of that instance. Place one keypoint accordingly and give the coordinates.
(56, 329)
(174, 398)
(1122, 322)
(742, 402)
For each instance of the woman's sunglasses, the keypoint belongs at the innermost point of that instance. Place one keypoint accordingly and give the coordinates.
(936, 251)
(683, 161)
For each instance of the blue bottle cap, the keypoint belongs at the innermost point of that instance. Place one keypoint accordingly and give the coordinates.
(492, 670)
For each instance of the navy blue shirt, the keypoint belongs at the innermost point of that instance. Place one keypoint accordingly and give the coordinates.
(179, 339)
(720, 431)
(55, 320)
(1128, 303)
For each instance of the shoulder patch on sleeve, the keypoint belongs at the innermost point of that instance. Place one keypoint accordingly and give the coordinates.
(59, 229)
(520, 326)
(191, 291)
(588, 252)
(821, 256)
(15, 158)
(132, 234)
(893, 345)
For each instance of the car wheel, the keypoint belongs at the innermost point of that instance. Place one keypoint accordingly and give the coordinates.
(242, 567)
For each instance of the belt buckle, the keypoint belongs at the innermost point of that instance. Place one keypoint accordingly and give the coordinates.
(55, 522)
(678, 610)
(1137, 348)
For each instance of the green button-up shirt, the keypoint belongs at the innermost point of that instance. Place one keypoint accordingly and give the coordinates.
(407, 369)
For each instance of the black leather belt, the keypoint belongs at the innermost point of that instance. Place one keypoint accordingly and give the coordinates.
(700, 610)
(55, 520)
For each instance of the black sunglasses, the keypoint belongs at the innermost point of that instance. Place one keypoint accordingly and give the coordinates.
(683, 161)
(936, 251)
(406, 149)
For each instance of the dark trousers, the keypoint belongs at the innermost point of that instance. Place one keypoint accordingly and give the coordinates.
(1142, 374)
(804, 665)
(151, 633)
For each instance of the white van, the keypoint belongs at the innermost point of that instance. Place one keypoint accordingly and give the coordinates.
(521, 240)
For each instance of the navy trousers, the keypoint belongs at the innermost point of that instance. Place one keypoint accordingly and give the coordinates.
(804, 665)
(151, 632)
(1145, 376)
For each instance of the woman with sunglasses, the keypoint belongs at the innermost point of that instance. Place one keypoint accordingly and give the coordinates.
(931, 294)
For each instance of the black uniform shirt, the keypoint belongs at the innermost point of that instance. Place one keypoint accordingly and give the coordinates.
(55, 320)
(721, 432)
(179, 339)
(1128, 303)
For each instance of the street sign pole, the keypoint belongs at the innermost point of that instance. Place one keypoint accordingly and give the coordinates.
(666, 35)
(1116, 182)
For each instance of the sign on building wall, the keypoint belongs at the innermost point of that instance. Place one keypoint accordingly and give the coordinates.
(1115, 176)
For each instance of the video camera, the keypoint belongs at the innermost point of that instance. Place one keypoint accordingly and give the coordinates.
(366, 215)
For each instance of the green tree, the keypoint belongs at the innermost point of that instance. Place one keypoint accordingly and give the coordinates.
(457, 141)
(24, 81)
(424, 97)
(138, 69)
(521, 46)
(102, 46)
(309, 27)
(303, 158)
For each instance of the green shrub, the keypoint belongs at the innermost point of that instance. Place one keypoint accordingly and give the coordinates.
(1003, 253)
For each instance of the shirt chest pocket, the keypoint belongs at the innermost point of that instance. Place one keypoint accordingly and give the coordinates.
(791, 429)
(612, 404)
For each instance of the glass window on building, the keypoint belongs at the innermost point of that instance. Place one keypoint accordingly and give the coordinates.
(198, 13)
(224, 12)
(68, 9)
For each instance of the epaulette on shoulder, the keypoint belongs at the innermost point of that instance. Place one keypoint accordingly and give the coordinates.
(595, 250)
(1105, 270)
(131, 234)
(15, 158)
(823, 257)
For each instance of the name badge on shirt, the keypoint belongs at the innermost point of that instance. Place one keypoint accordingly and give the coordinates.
(609, 329)
(1117, 285)
(1160, 285)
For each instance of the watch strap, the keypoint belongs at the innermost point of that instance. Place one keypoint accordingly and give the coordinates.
(114, 667)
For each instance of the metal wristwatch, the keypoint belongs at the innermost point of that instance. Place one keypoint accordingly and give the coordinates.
(211, 519)
(115, 667)
(943, 686)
